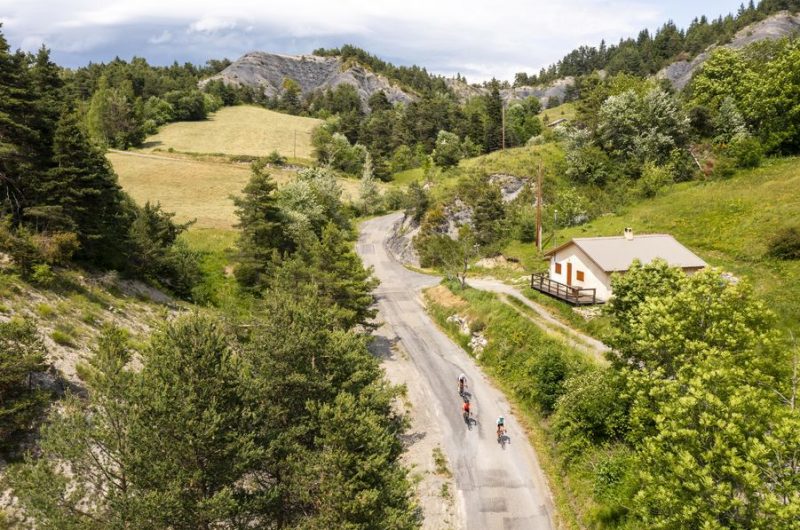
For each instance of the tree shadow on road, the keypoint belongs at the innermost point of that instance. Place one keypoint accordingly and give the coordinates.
(383, 347)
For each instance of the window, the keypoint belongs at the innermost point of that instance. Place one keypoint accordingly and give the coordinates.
(558, 268)
(579, 275)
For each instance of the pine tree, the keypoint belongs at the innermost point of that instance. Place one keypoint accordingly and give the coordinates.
(261, 223)
(493, 132)
(368, 192)
(18, 136)
(83, 184)
(47, 85)
(191, 395)
(489, 213)
(21, 354)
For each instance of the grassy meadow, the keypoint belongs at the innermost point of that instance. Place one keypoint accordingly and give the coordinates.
(192, 189)
(238, 130)
(729, 224)
(565, 110)
(196, 179)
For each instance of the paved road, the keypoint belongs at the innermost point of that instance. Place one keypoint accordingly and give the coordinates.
(497, 488)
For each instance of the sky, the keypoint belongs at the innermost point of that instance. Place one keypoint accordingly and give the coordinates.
(480, 39)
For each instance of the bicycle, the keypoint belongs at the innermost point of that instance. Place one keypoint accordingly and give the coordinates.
(501, 436)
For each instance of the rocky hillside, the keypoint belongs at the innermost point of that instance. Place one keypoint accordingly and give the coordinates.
(268, 70)
(779, 25)
(555, 90)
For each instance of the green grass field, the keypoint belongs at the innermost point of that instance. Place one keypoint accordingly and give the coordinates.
(565, 110)
(729, 224)
(239, 130)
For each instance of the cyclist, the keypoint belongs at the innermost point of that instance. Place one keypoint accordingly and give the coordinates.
(501, 428)
(466, 410)
(462, 383)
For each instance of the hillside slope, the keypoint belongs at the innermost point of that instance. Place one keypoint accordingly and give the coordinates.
(267, 71)
(729, 223)
(239, 130)
(774, 27)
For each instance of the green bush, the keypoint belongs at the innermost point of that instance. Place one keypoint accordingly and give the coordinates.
(653, 179)
(724, 168)
(786, 243)
(526, 227)
(394, 199)
(746, 152)
(590, 412)
(548, 370)
(275, 159)
(42, 275)
(21, 403)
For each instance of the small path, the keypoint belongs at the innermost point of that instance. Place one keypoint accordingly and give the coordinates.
(595, 347)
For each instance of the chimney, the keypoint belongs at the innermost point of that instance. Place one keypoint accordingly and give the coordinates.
(629, 234)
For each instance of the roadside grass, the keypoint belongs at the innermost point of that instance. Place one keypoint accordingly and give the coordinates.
(239, 130)
(513, 343)
(194, 189)
(729, 224)
(598, 327)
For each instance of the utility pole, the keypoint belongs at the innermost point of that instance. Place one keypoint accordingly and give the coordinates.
(555, 223)
(295, 145)
(539, 208)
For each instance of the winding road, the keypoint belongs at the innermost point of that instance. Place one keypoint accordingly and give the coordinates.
(497, 488)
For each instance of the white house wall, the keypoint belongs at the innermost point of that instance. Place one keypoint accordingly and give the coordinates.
(593, 276)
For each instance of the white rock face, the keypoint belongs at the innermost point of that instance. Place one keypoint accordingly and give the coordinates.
(401, 242)
(555, 90)
(779, 25)
(268, 70)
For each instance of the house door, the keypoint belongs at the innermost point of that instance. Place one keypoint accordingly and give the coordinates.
(569, 273)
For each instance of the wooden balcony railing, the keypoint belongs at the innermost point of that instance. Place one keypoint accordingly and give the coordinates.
(574, 295)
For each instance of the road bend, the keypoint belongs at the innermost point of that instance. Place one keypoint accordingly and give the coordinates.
(497, 487)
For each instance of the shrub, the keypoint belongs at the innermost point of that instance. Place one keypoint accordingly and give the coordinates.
(681, 165)
(275, 159)
(21, 403)
(589, 165)
(547, 371)
(526, 226)
(746, 152)
(56, 248)
(394, 199)
(590, 411)
(21, 247)
(724, 168)
(653, 179)
(786, 243)
(42, 275)
(402, 159)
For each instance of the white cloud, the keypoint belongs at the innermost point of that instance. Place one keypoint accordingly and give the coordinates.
(210, 24)
(164, 37)
(476, 37)
(32, 43)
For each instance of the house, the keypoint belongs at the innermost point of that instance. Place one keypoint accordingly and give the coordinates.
(580, 270)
